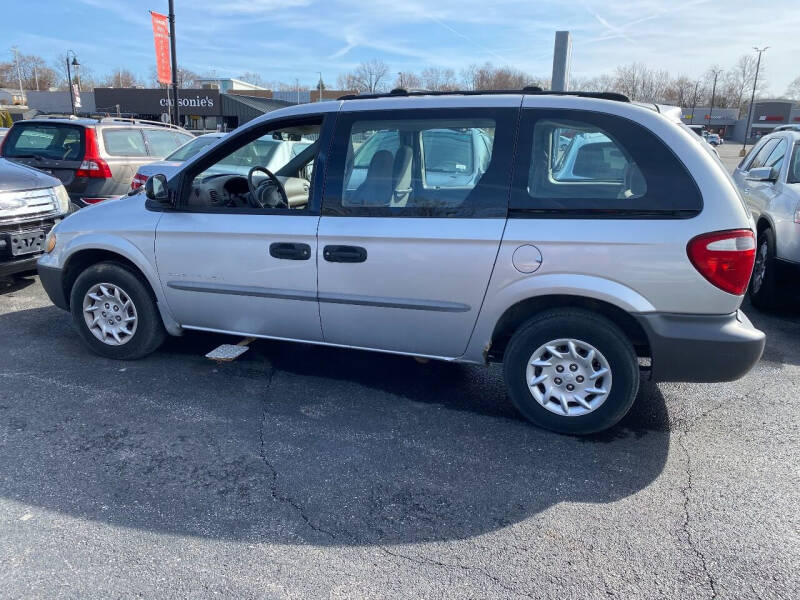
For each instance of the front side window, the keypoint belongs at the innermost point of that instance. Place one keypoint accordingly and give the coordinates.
(124, 142)
(45, 140)
(411, 163)
(258, 172)
(573, 163)
(775, 159)
(761, 155)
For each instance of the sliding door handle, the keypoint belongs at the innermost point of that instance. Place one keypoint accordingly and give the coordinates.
(344, 254)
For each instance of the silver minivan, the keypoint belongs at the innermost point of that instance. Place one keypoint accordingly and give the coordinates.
(633, 264)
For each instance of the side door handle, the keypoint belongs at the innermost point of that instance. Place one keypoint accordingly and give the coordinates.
(290, 251)
(344, 254)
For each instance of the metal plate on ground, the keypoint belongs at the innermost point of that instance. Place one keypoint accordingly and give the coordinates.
(227, 352)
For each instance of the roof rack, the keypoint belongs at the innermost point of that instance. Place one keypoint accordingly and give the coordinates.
(528, 90)
(140, 122)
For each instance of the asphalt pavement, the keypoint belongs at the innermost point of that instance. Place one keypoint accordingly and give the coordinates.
(305, 472)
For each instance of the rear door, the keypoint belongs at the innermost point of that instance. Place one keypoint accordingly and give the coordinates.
(409, 233)
(52, 147)
(125, 151)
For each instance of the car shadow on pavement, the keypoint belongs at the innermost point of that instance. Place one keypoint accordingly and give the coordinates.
(292, 444)
(9, 285)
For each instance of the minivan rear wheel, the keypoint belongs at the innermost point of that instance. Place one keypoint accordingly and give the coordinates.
(571, 371)
(115, 313)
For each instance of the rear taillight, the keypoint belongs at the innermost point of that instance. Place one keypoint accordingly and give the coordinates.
(725, 258)
(93, 200)
(92, 165)
(138, 181)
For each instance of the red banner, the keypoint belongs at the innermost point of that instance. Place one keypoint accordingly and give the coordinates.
(161, 39)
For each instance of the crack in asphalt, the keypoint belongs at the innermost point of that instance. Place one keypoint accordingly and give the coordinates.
(298, 507)
(273, 488)
(456, 567)
(687, 530)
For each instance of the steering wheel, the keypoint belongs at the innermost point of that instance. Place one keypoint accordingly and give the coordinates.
(264, 194)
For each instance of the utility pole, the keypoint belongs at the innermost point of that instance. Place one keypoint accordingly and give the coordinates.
(19, 73)
(752, 100)
(400, 77)
(174, 57)
(694, 105)
(319, 85)
(36, 76)
(713, 94)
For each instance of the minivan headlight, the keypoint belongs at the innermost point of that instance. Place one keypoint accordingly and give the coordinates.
(63, 199)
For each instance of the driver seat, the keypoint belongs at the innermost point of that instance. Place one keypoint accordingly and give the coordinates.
(377, 188)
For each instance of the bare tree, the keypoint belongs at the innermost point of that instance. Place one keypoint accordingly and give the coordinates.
(120, 78)
(793, 91)
(33, 71)
(370, 76)
(436, 79)
(680, 91)
(489, 77)
(407, 80)
(254, 78)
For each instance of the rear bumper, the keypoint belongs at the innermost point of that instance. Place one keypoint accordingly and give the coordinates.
(51, 280)
(701, 348)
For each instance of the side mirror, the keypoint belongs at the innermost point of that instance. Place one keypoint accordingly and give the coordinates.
(155, 188)
(760, 174)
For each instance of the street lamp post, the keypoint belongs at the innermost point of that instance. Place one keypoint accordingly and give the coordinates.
(74, 63)
(713, 95)
(19, 74)
(752, 100)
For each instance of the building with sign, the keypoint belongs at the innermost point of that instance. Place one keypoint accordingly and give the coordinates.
(720, 120)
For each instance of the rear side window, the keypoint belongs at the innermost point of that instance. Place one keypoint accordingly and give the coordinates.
(775, 159)
(52, 141)
(426, 163)
(162, 141)
(579, 163)
(760, 157)
(124, 142)
(794, 168)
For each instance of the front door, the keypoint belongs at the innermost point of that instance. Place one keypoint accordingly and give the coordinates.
(239, 254)
(414, 209)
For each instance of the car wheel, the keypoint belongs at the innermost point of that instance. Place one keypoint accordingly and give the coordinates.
(763, 282)
(571, 371)
(115, 312)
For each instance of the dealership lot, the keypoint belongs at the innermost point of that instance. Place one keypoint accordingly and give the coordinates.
(306, 472)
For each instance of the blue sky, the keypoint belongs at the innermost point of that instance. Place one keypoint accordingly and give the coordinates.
(284, 39)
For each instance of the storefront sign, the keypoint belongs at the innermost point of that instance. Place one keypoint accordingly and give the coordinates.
(203, 102)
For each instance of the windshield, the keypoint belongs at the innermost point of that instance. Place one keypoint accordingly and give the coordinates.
(188, 150)
(56, 141)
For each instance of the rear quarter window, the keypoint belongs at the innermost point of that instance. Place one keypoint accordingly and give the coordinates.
(124, 142)
(587, 164)
(54, 141)
(163, 141)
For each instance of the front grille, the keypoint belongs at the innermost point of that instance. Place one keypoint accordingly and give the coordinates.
(19, 206)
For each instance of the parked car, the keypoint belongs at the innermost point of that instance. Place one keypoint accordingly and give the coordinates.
(579, 287)
(769, 180)
(94, 159)
(714, 139)
(172, 162)
(30, 204)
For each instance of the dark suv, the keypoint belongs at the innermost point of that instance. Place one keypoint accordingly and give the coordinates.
(95, 159)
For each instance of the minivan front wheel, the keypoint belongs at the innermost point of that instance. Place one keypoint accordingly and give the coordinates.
(571, 371)
(115, 313)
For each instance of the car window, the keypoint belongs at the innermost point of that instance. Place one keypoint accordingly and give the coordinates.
(760, 157)
(162, 141)
(230, 183)
(124, 142)
(52, 141)
(775, 159)
(573, 161)
(794, 170)
(191, 148)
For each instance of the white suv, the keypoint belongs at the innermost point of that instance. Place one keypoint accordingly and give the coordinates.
(582, 240)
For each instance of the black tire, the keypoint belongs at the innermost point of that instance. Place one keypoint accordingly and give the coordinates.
(149, 333)
(588, 327)
(765, 296)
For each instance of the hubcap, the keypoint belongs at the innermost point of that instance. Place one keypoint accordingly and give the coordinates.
(760, 267)
(569, 377)
(110, 314)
